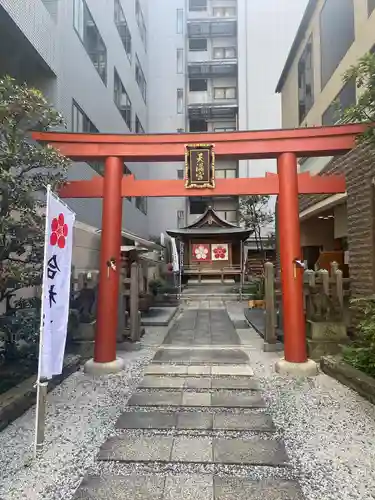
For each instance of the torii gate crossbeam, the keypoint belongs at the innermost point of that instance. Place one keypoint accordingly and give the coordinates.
(284, 145)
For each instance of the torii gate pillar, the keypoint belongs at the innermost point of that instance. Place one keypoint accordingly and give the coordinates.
(295, 360)
(105, 360)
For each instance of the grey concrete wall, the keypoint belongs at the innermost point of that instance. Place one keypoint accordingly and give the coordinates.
(163, 117)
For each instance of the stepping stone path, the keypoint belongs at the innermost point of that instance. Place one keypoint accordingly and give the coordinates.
(196, 427)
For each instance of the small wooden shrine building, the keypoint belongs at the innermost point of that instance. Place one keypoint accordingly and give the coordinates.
(211, 248)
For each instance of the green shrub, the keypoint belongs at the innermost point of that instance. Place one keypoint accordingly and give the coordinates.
(361, 354)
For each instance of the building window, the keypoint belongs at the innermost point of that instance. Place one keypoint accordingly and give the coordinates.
(225, 93)
(198, 44)
(180, 174)
(180, 21)
(224, 11)
(306, 81)
(224, 53)
(197, 205)
(226, 174)
(180, 61)
(370, 6)
(127, 171)
(180, 101)
(336, 35)
(138, 126)
(225, 129)
(345, 99)
(86, 29)
(197, 5)
(198, 126)
(198, 85)
(141, 204)
(81, 122)
(123, 29)
(228, 215)
(141, 23)
(140, 79)
(122, 101)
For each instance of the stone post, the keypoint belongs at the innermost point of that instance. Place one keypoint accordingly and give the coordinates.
(270, 340)
(134, 303)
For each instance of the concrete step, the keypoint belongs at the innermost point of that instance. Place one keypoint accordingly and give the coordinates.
(205, 356)
(195, 370)
(219, 399)
(183, 487)
(194, 450)
(157, 382)
(256, 422)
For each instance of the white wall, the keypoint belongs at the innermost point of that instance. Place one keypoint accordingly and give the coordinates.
(163, 117)
(266, 29)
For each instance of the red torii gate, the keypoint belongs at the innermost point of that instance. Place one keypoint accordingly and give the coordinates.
(284, 145)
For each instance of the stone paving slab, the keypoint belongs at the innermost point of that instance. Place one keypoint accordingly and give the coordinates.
(147, 420)
(221, 399)
(188, 487)
(188, 449)
(232, 370)
(260, 422)
(120, 487)
(252, 452)
(192, 449)
(268, 489)
(185, 487)
(197, 420)
(137, 449)
(158, 398)
(194, 420)
(240, 383)
(152, 382)
(231, 399)
(166, 369)
(204, 356)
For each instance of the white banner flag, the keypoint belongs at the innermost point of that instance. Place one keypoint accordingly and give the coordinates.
(56, 286)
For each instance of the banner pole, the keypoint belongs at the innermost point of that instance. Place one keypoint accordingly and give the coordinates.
(42, 386)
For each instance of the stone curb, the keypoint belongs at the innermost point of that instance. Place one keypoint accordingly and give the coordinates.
(361, 383)
(20, 398)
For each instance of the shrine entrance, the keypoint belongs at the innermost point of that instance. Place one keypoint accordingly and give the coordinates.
(199, 152)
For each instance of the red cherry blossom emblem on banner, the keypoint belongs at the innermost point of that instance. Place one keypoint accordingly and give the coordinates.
(220, 252)
(59, 231)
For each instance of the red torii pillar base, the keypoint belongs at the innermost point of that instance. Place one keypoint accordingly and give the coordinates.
(105, 360)
(295, 361)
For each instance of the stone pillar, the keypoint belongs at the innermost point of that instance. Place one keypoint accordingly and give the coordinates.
(135, 333)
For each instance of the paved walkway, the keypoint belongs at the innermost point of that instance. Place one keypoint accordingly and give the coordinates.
(195, 425)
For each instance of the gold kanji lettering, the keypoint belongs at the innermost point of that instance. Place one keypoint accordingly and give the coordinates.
(200, 167)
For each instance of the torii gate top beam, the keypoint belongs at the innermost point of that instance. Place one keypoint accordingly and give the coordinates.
(304, 142)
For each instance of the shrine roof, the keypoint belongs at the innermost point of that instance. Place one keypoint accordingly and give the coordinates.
(211, 224)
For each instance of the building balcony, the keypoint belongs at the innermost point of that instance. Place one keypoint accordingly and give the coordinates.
(212, 69)
(30, 31)
(212, 111)
(211, 28)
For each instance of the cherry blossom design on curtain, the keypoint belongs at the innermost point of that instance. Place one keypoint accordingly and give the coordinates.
(220, 252)
(201, 253)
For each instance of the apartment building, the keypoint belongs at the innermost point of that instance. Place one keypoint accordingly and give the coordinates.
(89, 58)
(332, 36)
(160, 66)
(208, 74)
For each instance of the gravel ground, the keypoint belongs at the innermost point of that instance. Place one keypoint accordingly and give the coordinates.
(82, 412)
(329, 431)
